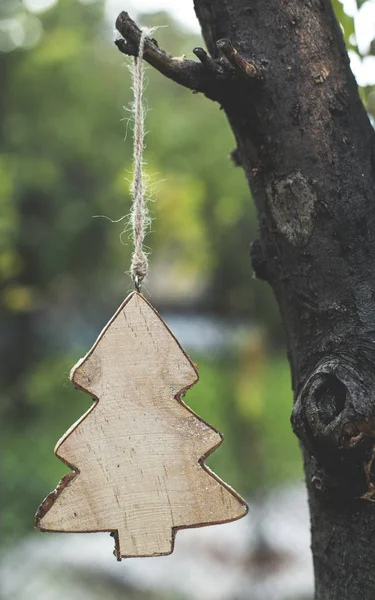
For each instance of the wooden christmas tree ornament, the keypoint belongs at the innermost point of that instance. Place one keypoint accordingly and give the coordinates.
(138, 453)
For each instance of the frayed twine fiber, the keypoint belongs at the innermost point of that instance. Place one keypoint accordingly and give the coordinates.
(139, 217)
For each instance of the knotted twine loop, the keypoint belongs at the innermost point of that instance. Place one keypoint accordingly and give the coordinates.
(139, 217)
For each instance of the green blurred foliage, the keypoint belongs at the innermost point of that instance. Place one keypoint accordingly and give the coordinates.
(64, 159)
(348, 27)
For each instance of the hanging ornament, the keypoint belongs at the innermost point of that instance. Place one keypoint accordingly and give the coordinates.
(138, 454)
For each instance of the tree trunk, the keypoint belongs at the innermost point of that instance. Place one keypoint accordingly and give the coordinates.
(308, 151)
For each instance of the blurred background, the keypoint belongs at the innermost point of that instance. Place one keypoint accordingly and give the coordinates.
(65, 161)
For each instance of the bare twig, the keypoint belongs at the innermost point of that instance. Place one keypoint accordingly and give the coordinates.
(197, 76)
(209, 63)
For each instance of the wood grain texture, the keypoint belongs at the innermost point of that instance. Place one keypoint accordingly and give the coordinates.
(138, 453)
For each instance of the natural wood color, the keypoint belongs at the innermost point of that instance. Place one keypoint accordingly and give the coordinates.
(138, 453)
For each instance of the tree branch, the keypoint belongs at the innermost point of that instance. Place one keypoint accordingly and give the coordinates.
(212, 77)
(196, 76)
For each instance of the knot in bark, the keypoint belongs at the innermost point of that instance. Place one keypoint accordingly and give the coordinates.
(292, 200)
(334, 416)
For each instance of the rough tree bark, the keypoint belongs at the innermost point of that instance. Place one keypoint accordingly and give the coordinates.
(280, 71)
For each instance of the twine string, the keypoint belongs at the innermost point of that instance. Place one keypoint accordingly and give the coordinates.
(139, 212)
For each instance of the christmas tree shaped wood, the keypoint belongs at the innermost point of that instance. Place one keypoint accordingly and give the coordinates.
(138, 454)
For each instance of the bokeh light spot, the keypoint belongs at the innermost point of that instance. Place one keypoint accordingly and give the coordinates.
(12, 34)
(33, 31)
(38, 6)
